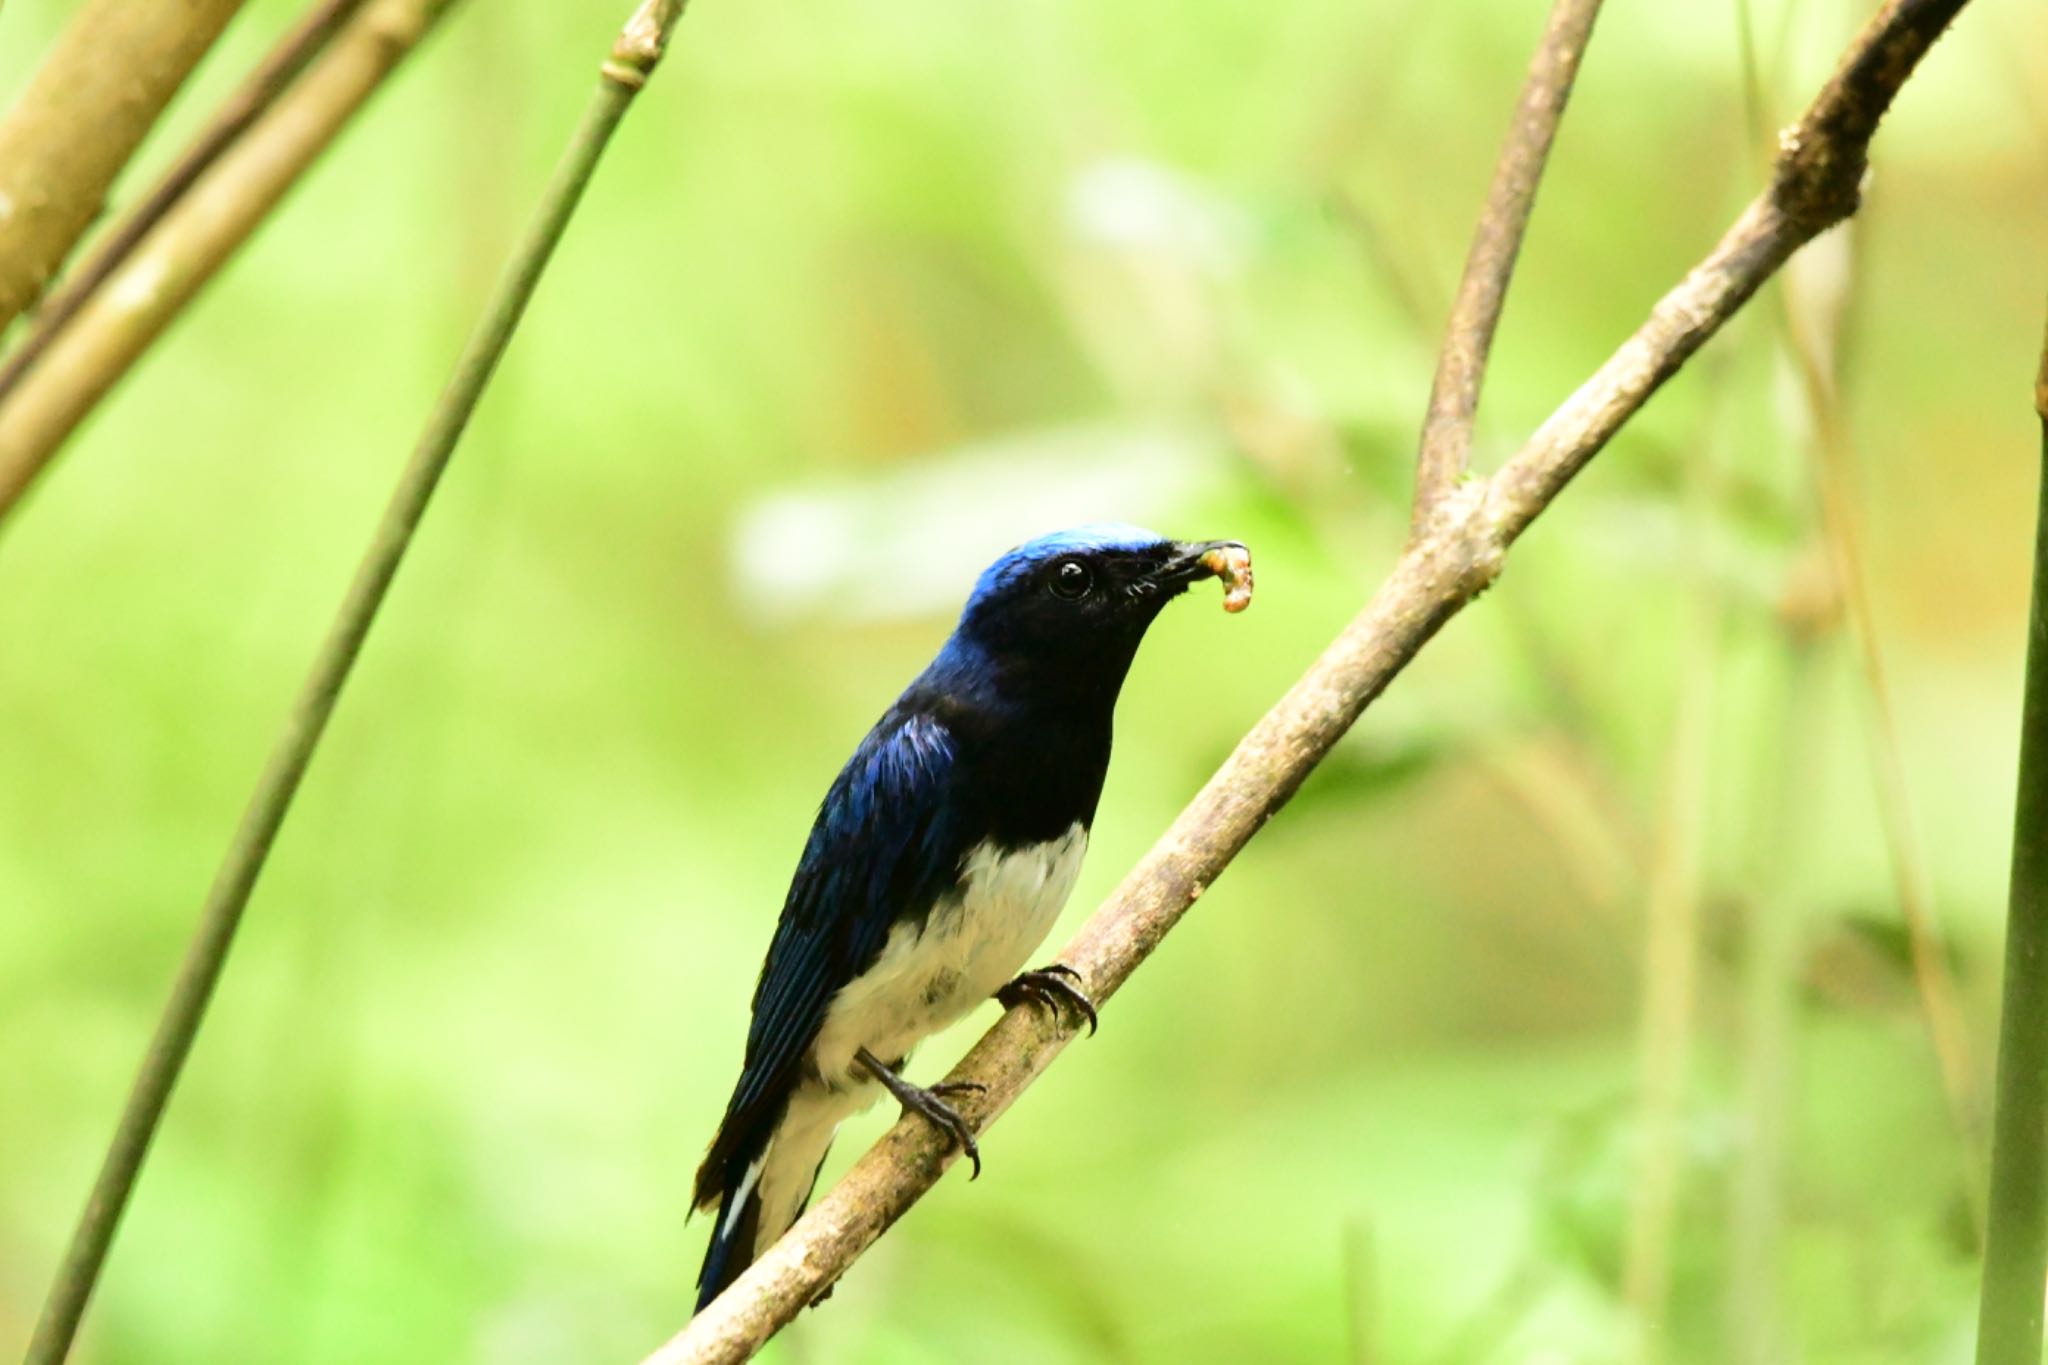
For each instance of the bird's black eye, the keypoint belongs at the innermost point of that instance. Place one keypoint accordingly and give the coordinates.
(1071, 580)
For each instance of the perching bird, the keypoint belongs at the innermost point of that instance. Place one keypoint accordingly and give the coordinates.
(938, 861)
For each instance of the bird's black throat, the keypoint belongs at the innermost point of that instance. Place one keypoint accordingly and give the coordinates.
(1034, 764)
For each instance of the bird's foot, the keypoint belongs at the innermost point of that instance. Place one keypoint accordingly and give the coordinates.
(918, 1100)
(1052, 987)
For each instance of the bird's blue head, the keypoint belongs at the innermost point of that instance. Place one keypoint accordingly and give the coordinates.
(1067, 611)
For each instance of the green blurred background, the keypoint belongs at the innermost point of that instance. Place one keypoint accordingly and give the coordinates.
(865, 294)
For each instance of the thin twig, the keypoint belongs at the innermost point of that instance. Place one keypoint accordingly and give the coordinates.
(2016, 1245)
(1415, 296)
(1811, 321)
(633, 59)
(196, 237)
(276, 71)
(1813, 342)
(1669, 981)
(1815, 184)
(1777, 838)
(1459, 555)
(1446, 445)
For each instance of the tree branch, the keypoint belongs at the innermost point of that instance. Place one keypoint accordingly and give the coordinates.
(632, 61)
(1446, 446)
(272, 75)
(112, 329)
(1457, 556)
(97, 93)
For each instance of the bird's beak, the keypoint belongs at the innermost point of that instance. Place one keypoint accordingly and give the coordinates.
(1194, 560)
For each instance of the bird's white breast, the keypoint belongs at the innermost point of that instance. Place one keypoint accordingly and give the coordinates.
(976, 938)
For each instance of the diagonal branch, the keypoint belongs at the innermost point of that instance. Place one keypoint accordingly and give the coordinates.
(118, 322)
(93, 100)
(257, 93)
(632, 61)
(1456, 557)
(1446, 446)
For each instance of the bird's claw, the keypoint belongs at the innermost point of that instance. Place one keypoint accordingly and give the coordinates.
(1050, 986)
(918, 1100)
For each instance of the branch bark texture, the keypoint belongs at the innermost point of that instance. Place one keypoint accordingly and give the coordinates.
(632, 61)
(112, 328)
(97, 93)
(1458, 552)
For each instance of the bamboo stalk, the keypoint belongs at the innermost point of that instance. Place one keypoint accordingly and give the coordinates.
(198, 236)
(95, 96)
(2016, 1241)
(633, 60)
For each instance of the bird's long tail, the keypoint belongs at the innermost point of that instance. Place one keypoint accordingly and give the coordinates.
(763, 1185)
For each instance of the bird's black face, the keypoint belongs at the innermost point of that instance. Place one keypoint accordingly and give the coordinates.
(1073, 607)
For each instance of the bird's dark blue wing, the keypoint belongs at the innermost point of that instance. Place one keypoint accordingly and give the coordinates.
(886, 844)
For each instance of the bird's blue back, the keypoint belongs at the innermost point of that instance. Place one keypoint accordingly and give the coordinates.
(952, 764)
